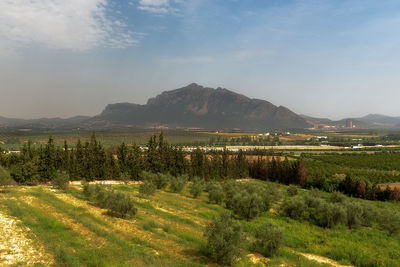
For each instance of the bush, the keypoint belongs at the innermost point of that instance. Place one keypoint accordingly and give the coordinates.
(247, 206)
(312, 200)
(389, 222)
(330, 215)
(292, 190)
(337, 197)
(368, 215)
(120, 204)
(294, 208)
(178, 183)
(60, 181)
(26, 174)
(147, 188)
(125, 177)
(231, 188)
(117, 203)
(269, 239)
(216, 193)
(197, 187)
(354, 214)
(5, 178)
(161, 180)
(88, 190)
(224, 238)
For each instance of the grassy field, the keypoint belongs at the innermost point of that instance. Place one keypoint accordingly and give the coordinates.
(63, 228)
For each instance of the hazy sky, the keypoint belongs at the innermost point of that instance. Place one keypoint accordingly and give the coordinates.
(322, 58)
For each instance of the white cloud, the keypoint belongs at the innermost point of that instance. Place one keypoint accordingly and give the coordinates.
(158, 6)
(60, 24)
(154, 2)
(185, 60)
(250, 54)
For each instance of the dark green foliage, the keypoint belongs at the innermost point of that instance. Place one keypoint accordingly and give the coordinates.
(389, 221)
(248, 205)
(25, 174)
(177, 184)
(161, 180)
(147, 188)
(337, 197)
(354, 214)
(88, 190)
(231, 188)
(118, 204)
(294, 208)
(330, 215)
(197, 187)
(60, 181)
(224, 238)
(5, 178)
(292, 190)
(269, 239)
(216, 193)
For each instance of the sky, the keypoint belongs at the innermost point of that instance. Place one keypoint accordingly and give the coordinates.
(323, 58)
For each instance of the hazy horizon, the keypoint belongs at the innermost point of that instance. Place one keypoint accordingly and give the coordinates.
(333, 59)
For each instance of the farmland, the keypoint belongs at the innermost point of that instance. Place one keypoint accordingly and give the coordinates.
(168, 229)
(163, 203)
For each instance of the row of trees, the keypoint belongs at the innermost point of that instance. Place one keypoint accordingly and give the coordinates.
(92, 161)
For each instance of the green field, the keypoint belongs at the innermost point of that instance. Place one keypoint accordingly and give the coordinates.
(68, 230)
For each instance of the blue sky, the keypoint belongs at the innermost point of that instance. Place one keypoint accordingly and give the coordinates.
(321, 58)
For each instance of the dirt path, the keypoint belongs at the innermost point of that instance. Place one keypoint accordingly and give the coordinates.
(16, 247)
(320, 259)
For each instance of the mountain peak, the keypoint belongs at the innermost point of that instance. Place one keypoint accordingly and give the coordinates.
(196, 106)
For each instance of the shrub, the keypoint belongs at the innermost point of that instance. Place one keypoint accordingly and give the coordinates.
(197, 187)
(292, 190)
(88, 190)
(294, 208)
(26, 174)
(337, 197)
(312, 200)
(147, 188)
(216, 193)
(161, 180)
(269, 239)
(5, 178)
(354, 214)
(330, 215)
(178, 183)
(125, 177)
(389, 222)
(247, 206)
(231, 188)
(60, 181)
(224, 238)
(120, 204)
(368, 215)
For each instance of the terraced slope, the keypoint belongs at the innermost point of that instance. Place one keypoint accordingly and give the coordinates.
(65, 229)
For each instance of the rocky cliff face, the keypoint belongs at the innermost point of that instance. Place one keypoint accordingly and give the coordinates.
(200, 107)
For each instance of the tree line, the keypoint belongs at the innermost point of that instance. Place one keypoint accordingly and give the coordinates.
(92, 161)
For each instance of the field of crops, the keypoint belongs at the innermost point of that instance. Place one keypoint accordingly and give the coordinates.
(64, 228)
(377, 167)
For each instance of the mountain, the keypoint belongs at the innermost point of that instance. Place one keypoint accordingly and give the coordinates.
(195, 106)
(339, 123)
(381, 120)
(44, 123)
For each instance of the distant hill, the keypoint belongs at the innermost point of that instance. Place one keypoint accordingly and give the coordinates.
(195, 106)
(381, 120)
(325, 121)
(44, 123)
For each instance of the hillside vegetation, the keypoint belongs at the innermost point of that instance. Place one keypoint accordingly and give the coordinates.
(168, 228)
